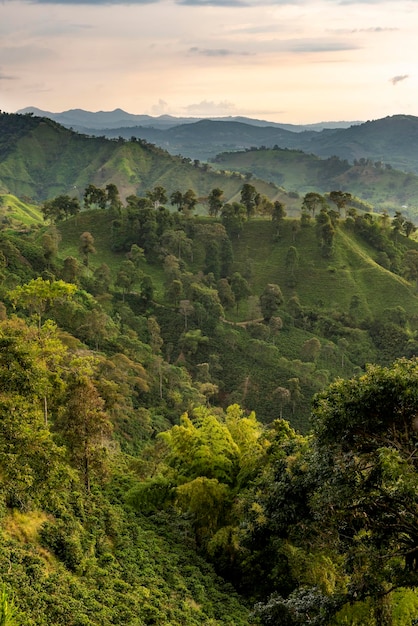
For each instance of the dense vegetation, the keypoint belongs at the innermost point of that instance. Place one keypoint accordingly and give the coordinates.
(190, 428)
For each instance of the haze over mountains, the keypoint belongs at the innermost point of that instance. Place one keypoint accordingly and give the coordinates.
(79, 119)
(390, 140)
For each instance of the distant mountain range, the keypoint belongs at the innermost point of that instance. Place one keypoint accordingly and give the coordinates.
(83, 121)
(391, 140)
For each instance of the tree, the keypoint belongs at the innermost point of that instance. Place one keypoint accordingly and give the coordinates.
(186, 308)
(174, 291)
(215, 201)
(226, 295)
(38, 294)
(86, 247)
(30, 460)
(85, 427)
(178, 243)
(313, 201)
(94, 196)
(136, 255)
(158, 196)
(50, 243)
(270, 301)
(240, 288)
(212, 259)
(70, 270)
(102, 277)
(311, 349)
(226, 256)
(113, 198)
(367, 441)
(176, 199)
(277, 215)
(127, 276)
(409, 228)
(233, 217)
(61, 207)
(398, 223)
(249, 198)
(283, 396)
(189, 200)
(340, 199)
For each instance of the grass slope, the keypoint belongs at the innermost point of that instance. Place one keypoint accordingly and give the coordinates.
(15, 212)
(326, 282)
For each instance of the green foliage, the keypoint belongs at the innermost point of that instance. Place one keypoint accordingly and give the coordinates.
(8, 613)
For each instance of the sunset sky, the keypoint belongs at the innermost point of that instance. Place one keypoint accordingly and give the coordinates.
(293, 61)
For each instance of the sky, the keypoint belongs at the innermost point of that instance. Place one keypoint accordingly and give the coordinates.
(289, 61)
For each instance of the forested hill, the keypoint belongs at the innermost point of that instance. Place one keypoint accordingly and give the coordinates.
(379, 185)
(39, 159)
(148, 359)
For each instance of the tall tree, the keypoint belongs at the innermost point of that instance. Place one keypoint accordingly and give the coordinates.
(340, 199)
(270, 301)
(313, 201)
(249, 198)
(85, 427)
(87, 247)
(215, 201)
(158, 196)
(277, 215)
(240, 288)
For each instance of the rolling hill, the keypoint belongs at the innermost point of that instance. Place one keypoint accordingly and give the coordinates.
(391, 140)
(40, 159)
(381, 186)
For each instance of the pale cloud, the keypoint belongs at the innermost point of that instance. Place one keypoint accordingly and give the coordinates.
(398, 79)
(220, 52)
(209, 108)
(161, 108)
(316, 45)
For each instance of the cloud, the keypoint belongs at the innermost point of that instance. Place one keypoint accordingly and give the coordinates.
(210, 108)
(216, 52)
(6, 76)
(398, 79)
(316, 45)
(160, 108)
(375, 29)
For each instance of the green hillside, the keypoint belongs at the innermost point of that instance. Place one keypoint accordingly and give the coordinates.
(39, 159)
(381, 186)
